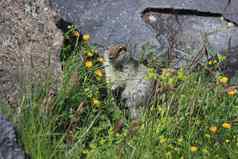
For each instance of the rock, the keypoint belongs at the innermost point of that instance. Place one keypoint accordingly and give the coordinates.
(9, 148)
(178, 27)
(187, 37)
(109, 22)
(30, 44)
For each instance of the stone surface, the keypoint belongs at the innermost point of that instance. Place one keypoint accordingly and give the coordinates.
(186, 37)
(29, 46)
(112, 21)
(9, 148)
(179, 25)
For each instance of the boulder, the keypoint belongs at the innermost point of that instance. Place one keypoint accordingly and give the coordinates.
(9, 148)
(171, 27)
(30, 44)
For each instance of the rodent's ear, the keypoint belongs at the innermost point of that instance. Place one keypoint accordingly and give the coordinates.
(116, 50)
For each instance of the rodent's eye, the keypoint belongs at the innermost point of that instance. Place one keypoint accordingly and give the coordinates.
(122, 49)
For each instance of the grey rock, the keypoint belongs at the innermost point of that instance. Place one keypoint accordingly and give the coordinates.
(185, 25)
(112, 21)
(188, 36)
(30, 44)
(9, 148)
(108, 21)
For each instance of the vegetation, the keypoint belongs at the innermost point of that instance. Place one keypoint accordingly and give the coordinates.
(193, 116)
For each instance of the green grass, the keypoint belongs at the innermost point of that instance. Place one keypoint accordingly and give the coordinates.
(83, 121)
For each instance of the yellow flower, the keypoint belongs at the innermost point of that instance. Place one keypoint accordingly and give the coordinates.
(101, 60)
(232, 92)
(226, 125)
(223, 80)
(210, 62)
(96, 103)
(86, 37)
(213, 129)
(89, 54)
(215, 62)
(76, 34)
(194, 148)
(99, 73)
(88, 64)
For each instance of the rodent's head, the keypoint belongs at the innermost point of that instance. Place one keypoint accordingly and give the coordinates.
(118, 55)
(117, 50)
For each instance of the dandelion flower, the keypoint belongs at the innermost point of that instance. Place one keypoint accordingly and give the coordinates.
(210, 62)
(232, 92)
(96, 103)
(223, 80)
(86, 37)
(226, 125)
(101, 60)
(76, 34)
(194, 148)
(99, 73)
(88, 64)
(215, 62)
(89, 54)
(213, 129)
